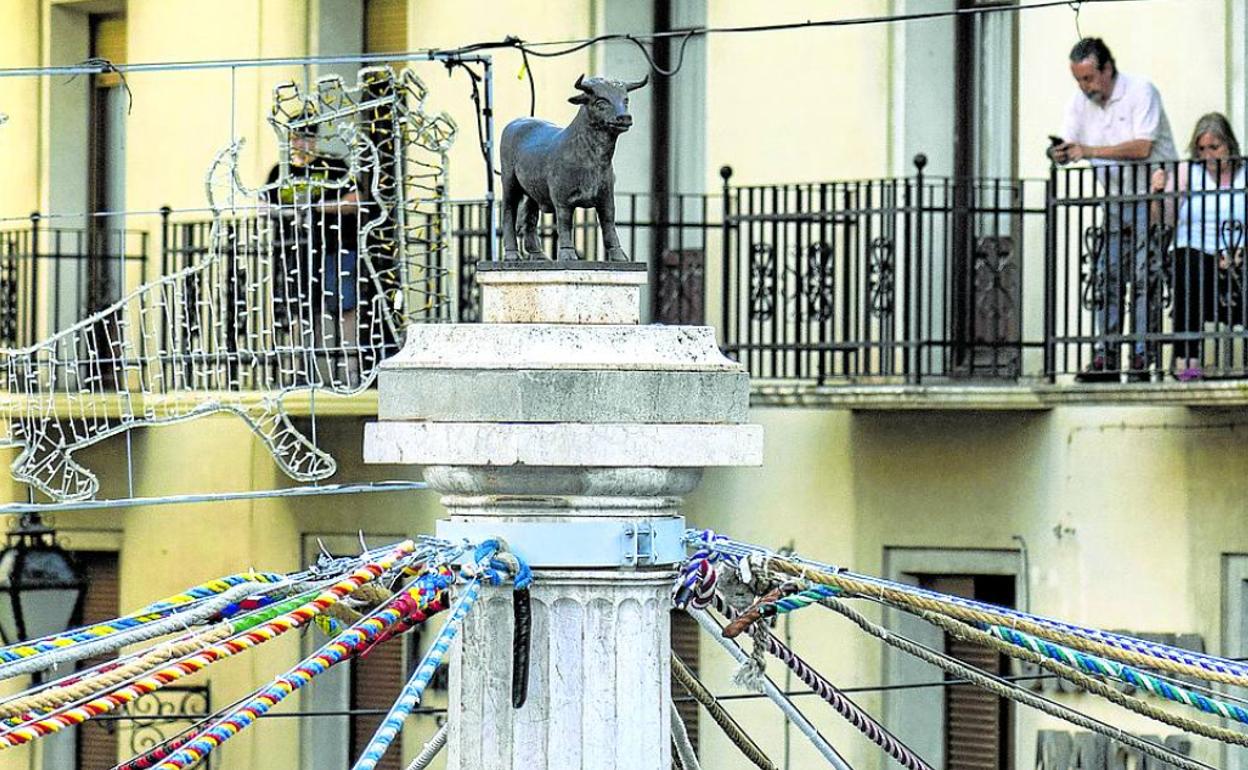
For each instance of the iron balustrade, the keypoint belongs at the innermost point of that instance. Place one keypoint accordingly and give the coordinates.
(52, 276)
(885, 280)
(674, 233)
(914, 279)
(1141, 276)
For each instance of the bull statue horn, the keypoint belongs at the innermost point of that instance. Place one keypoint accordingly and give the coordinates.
(580, 84)
(636, 84)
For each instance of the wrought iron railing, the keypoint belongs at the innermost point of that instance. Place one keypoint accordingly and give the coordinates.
(886, 279)
(674, 233)
(52, 276)
(915, 279)
(1146, 280)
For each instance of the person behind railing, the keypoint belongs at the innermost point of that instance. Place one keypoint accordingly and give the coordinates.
(316, 207)
(1208, 235)
(1114, 120)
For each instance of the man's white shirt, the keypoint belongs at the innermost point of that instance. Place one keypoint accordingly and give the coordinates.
(1133, 111)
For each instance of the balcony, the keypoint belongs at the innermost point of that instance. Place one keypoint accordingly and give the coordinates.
(915, 292)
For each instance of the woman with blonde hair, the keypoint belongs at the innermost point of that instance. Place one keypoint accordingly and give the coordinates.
(1208, 235)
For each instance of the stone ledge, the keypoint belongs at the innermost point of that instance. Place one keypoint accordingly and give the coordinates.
(942, 397)
(564, 395)
(560, 346)
(561, 295)
(562, 445)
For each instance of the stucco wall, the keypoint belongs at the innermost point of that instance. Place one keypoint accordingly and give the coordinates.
(1126, 514)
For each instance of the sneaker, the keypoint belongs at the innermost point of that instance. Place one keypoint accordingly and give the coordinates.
(1191, 374)
(1100, 370)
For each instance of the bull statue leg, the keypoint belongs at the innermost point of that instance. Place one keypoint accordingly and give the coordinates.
(563, 230)
(606, 223)
(513, 195)
(298, 457)
(531, 212)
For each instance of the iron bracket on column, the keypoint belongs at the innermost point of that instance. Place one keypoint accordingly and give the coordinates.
(596, 543)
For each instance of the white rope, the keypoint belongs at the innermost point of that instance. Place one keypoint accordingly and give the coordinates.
(430, 750)
(769, 688)
(684, 747)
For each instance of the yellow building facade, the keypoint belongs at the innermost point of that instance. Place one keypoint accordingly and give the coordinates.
(1119, 508)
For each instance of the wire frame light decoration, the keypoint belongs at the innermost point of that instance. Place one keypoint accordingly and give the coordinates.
(306, 286)
(41, 587)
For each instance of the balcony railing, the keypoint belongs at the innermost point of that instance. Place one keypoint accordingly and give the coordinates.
(1139, 278)
(925, 279)
(52, 276)
(915, 279)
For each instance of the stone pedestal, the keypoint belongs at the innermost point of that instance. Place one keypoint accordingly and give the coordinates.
(572, 432)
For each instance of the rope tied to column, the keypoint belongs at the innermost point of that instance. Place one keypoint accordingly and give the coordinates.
(744, 743)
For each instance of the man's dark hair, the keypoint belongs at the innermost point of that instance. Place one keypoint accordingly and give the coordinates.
(1093, 48)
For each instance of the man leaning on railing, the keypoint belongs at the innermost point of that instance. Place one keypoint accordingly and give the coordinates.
(1113, 120)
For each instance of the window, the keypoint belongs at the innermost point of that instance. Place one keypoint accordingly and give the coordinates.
(976, 723)
(685, 633)
(371, 683)
(107, 167)
(951, 727)
(97, 740)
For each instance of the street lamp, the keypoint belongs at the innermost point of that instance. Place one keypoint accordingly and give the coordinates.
(41, 588)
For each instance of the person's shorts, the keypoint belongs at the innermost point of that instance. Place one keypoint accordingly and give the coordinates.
(342, 272)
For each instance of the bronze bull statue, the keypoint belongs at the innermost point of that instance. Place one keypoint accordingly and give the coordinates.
(552, 169)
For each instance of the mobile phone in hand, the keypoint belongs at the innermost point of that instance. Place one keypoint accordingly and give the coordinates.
(1054, 141)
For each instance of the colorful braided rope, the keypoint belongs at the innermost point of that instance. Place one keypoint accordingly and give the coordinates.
(1166, 656)
(354, 640)
(300, 616)
(149, 614)
(852, 713)
(1094, 664)
(800, 600)
(415, 688)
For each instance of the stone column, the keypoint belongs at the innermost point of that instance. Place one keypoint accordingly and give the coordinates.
(568, 429)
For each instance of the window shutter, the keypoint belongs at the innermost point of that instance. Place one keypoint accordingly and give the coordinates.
(974, 716)
(376, 681)
(977, 723)
(685, 631)
(97, 740)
